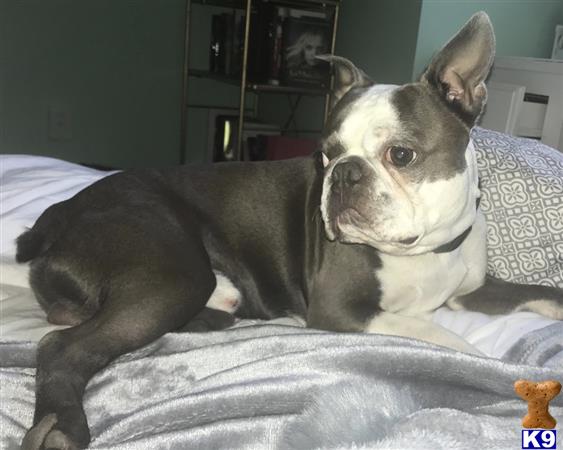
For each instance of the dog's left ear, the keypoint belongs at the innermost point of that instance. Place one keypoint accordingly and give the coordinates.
(459, 70)
(346, 77)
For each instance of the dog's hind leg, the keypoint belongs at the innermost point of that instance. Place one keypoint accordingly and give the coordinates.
(133, 315)
(501, 297)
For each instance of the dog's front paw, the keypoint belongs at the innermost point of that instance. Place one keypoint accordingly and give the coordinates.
(552, 309)
(45, 435)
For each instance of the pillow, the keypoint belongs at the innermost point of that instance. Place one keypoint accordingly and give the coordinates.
(29, 185)
(522, 199)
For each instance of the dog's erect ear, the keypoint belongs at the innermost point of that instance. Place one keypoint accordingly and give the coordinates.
(346, 77)
(459, 70)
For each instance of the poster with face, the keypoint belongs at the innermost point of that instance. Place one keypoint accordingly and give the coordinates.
(304, 39)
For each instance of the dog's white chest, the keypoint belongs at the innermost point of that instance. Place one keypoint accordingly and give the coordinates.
(413, 285)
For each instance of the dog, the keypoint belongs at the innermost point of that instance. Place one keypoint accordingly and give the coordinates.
(371, 234)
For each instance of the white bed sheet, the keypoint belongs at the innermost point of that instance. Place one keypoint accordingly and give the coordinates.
(29, 184)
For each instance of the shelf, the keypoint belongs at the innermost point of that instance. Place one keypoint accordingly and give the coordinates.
(330, 9)
(304, 4)
(198, 73)
(271, 88)
(241, 4)
(235, 4)
(258, 87)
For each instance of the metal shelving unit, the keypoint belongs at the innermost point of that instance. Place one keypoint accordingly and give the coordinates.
(245, 85)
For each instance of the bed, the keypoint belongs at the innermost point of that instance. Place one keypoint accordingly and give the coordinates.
(278, 385)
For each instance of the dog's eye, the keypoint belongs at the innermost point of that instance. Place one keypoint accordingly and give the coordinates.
(400, 156)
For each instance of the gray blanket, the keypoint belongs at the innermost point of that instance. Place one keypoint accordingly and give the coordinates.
(281, 386)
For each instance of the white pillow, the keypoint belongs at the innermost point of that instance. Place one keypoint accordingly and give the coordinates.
(29, 185)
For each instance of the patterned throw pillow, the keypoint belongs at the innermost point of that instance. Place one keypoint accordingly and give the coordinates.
(522, 199)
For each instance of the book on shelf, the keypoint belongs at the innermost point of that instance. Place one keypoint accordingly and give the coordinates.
(227, 40)
(305, 37)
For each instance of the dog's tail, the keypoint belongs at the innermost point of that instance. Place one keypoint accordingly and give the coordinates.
(37, 240)
(30, 245)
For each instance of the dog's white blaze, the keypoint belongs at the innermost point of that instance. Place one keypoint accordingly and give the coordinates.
(370, 122)
(415, 285)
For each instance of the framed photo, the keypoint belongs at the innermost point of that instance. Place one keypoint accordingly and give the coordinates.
(304, 38)
(558, 43)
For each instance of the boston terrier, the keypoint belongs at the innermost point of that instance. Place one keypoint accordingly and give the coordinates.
(373, 233)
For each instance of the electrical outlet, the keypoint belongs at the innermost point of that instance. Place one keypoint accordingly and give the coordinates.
(59, 123)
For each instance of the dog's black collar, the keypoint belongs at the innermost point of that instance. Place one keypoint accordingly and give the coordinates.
(452, 245)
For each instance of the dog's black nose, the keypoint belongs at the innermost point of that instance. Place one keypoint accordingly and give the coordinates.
(346, 174)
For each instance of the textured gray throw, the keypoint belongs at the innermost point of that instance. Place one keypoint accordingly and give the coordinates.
(281, 386)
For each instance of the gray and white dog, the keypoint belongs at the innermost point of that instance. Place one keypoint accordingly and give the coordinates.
(371, 234)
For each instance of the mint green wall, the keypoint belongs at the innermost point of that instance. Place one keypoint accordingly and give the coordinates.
(115, 65)
(379, 36)
(523, 27)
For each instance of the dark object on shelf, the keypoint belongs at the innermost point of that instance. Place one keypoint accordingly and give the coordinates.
(256, 148)
(227, 43)
(216, 47)
(238, 43)
(275, 43)
(305, 38)
(229, 24)
(259, 45)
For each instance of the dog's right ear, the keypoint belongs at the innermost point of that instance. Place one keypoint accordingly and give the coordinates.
(346, 77)
(459, 70)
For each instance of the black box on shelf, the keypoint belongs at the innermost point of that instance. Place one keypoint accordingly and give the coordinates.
(260, 43)
(217, 44)
(227, 40)
(304, 38)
